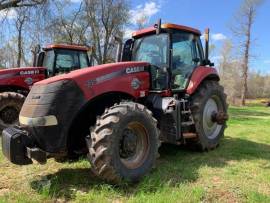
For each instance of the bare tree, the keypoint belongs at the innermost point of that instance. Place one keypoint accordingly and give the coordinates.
(245, 19)
(9, 54)
(68, 27)
(256, 85)
(107, 19)
(229, 71)
(7, 4)
(19, 24)
(22, 21)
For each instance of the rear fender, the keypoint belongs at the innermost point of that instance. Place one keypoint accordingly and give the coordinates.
(199, 75)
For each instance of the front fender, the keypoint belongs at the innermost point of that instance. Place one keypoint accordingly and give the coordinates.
(199, 75)
(48, 111)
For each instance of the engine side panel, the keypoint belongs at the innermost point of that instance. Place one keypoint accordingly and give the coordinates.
(127, 77)
(199, 75)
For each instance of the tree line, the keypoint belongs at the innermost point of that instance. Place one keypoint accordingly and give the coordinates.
(238, 80)
(93, 23)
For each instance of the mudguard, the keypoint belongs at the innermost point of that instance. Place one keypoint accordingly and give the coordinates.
(200, 74)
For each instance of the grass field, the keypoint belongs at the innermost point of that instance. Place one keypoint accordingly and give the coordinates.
(238, 171)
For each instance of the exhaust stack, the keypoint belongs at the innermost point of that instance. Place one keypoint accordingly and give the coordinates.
(206, 54)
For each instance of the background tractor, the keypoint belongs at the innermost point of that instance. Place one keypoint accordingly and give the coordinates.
(15, 83)
(164, 90)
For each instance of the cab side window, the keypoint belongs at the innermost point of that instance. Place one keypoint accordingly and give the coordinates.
(84, 60)
(184, 59)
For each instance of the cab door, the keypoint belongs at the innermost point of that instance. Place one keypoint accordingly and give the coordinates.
(185, 58)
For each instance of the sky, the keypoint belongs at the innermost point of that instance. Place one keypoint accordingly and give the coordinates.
(218, 15)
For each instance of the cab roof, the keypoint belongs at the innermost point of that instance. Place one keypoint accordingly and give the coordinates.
(149, 30)
(66, 46)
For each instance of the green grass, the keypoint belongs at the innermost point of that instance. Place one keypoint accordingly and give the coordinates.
(237, 171)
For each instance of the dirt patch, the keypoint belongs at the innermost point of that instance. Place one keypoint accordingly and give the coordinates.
(4, 191)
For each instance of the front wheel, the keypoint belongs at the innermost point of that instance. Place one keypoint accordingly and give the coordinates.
(10, 107)
(209, 109)
(124, 143)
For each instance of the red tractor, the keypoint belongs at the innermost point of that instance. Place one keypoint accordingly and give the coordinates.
(15, 83)
(164, 90)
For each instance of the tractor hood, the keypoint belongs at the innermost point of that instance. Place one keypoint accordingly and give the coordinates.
(21, 77)
(95, 71)
(113, 77)
(4, 73)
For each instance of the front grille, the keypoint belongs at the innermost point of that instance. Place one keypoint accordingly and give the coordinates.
(6, 143)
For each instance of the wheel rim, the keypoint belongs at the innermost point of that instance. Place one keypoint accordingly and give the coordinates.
(134, 145)
(9, 115)
(210, 127)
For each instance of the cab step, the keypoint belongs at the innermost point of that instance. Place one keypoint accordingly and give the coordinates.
(189, 135)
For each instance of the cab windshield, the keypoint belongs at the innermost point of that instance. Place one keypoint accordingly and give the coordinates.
(152, 49)
(64, 61)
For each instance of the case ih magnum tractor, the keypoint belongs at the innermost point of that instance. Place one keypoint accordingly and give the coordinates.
(164, 90)
(15, 83)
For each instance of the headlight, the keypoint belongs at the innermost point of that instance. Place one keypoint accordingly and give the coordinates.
(39, 121)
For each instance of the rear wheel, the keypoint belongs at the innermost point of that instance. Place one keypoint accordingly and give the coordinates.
(124, 143)
(209, 111)
(10, 106)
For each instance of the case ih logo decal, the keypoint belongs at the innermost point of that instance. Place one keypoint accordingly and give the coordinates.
(29, 72)
(21, 73)
(112, 75)
(29, 81)
(134, 70)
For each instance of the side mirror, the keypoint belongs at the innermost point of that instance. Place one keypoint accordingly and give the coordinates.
(35, 52)
(91, 56)
(40, 59)
(37, 49)
(206, 54)
(119, 48)
(127, 51)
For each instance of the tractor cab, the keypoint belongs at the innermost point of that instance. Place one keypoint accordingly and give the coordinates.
(173, 51)
(61, 58)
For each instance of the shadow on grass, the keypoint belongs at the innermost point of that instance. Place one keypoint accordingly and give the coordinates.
(247, 112)
(176, 165)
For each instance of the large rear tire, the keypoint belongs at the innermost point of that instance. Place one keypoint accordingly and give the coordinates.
(10, 107)
(124, 143)
(209, 109)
